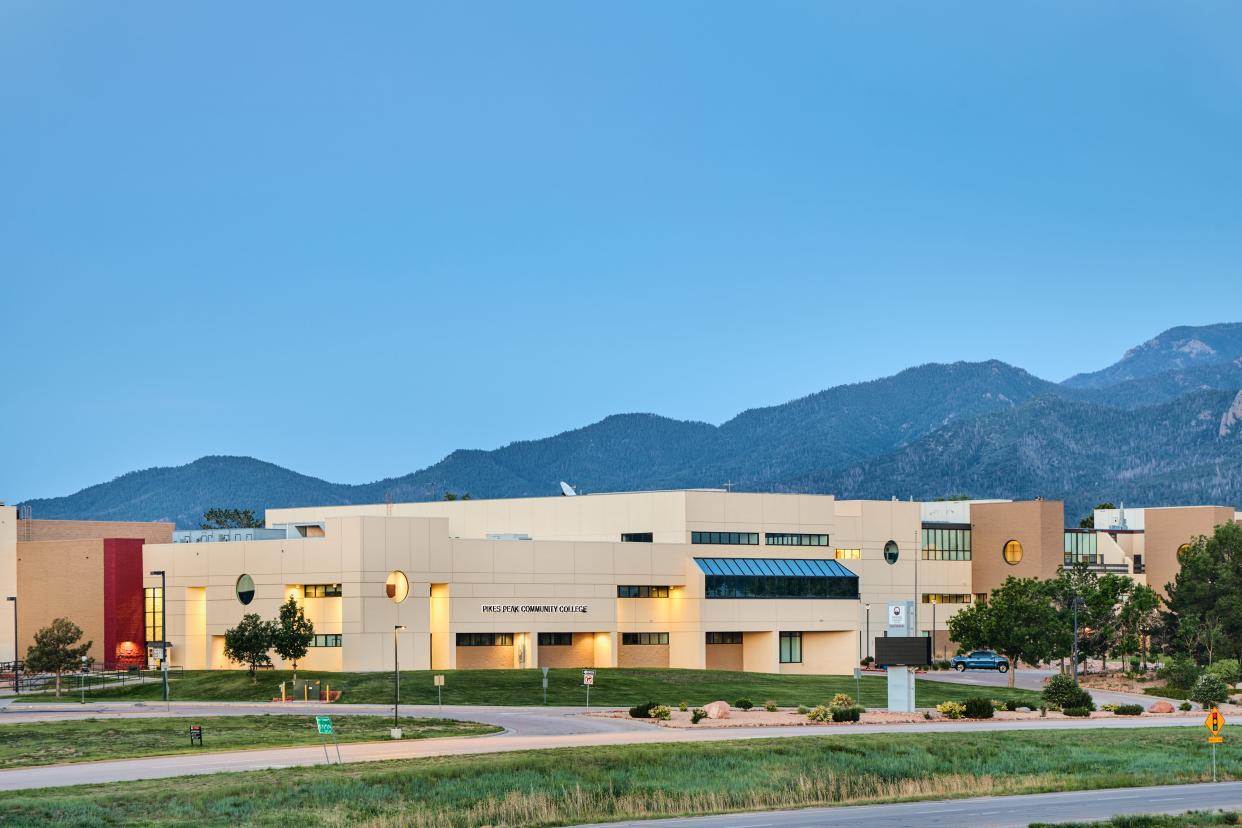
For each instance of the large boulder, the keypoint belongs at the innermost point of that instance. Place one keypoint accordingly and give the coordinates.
(1160, 707)
(717, 710)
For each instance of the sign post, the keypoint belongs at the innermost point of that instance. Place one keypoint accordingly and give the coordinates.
(1215, 722)
(545, 685)
(439, 682)
(858, 685)
(900, 676)
(588, 678)
(324, 724)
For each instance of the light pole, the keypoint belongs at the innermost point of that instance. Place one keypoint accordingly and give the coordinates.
(396, 674)
(868, 606)
(1076, 603)
(933, 601)
(17, 683)
(163, 628)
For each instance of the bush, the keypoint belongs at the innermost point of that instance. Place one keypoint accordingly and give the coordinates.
(977, 707)
(1077, 711)
(683, 707)
(661, 712)
(997, 704)
(1135, 663)
(820, 714)
(1179, 671)
(1209, 689)
(1110, 708)
(1227, 669)
(846, 714)
(769, 706)
(803, 710)
(1062, 692)
(743, 704)
(943, 664)
(697, 715)
(951, 709)
(1128, 709)
(1184, 706)
(642, 711)
(842, 700)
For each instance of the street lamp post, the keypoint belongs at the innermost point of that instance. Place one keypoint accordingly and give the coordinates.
(868, 606)
(933, 603)
(17, 682)
(163, 628)
(1076, 603)
(396, 675)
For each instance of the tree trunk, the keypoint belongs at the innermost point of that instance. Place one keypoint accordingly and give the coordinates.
(58, 684)
(1013, 670)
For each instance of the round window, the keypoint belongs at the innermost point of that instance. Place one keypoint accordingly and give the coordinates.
(245, 589)
(1182, 550)
(1013, 552)
(891, 552)
(397, 586)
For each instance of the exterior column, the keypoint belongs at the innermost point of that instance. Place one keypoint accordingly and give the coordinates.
(687, 650)
(760, 652)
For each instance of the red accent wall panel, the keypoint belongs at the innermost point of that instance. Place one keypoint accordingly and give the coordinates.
(124, 625)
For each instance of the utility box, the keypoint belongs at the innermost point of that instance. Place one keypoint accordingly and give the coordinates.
(305, 690)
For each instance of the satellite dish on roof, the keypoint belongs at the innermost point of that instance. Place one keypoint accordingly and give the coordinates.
(567, 490)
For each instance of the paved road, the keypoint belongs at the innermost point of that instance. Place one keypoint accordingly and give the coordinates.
(535, 728)
(1027, 679)
(991, 811)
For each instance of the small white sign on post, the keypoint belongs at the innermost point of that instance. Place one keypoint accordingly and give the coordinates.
(439, 681)
(588, 677)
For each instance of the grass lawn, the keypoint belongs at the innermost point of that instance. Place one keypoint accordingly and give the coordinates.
(613, 687)
(575, 785)
(47, 743)
(1193, 819)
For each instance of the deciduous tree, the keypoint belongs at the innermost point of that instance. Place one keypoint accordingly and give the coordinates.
(56, 649)
(1018, 620)
(249, 642)
(292, 634)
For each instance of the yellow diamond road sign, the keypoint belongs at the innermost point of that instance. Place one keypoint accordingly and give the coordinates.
(1214, 722)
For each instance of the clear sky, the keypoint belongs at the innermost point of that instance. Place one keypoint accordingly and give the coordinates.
(349, 238)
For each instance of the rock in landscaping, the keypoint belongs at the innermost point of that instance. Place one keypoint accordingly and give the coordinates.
(717, 710)
(1160, 707)
(1022, 710)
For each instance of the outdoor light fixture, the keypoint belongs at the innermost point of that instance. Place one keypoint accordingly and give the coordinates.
(163, 629)
(17, 686)
(396, 676)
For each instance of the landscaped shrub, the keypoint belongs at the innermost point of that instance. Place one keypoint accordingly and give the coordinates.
(1128, 709)
(1209, 689)
(1184, 706)
(943, 664)
(769, 706)
(661, 712)
(846, 714)
(697, 715)
(820, 714)
(1062, 692)
(977, 707)
(743, 704)
(867, 662)
(951, 709)
(842, 700)
(1179, 672)
(683, 707)
(1227, 669)
(803, 710)
(1077, 711)
(1135, 663)
(642, 711)
(997, 704)
(1111, 708)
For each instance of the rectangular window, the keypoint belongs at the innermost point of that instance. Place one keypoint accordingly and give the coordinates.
(794, 539)
(556, 639)
(328, 640)
(791, 648)
(1081, 547)
(635, 639)
(485, 639)
(946, 598)
(321, 591)
(154, 613)
(626, 591)
(946, 543)
(637, 537)
(780, 586)
(848, 554)
(731, 538)
(724, 638)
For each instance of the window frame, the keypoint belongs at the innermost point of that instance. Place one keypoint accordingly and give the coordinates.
(644, 639)
(790, 647)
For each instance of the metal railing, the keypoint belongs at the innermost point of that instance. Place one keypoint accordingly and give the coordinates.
(78, 682)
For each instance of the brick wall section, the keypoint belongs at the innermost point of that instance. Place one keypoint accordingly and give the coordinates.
(642, 655)
(485, 658)
(61, 579)
(49, 530)
(724, 657)
(580, 654)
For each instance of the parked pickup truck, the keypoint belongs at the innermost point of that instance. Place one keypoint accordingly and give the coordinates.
(981, 660)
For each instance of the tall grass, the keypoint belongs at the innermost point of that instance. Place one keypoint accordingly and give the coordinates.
(544, 788)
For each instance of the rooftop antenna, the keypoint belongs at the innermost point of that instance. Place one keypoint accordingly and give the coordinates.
(1121, 515)
(567, 490)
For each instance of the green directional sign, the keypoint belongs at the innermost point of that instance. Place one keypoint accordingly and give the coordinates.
(325, 725)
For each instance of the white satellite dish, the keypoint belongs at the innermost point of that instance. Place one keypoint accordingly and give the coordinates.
(568, 490)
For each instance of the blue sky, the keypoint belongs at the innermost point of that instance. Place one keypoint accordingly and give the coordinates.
(350, 238)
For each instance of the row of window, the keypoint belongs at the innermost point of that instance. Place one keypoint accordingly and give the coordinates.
(732, 538)
(724, 638)
(848, 554)
(946, 544)
(562, 639)
(631, 591)
(485, 639)
(152, 597)
(794, 539)
(1080, 546)
(328, 640)
(635, 639)
(946, 598)
(321, 591)
(637, 537)
(779, 586)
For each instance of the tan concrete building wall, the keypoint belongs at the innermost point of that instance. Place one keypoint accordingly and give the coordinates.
(1038, 524)
(485, 658)
(8, 578)
(724, 657)
(1169, 528)
(642, 655)
(580, 654)
(825, 652)
(61, 579)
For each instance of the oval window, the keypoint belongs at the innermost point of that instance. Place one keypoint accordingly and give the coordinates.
(1182, 550)
(1013, 552)
(397, 586)
(891, 552)
(245, 589)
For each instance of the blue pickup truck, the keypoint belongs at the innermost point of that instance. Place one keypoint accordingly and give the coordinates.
(981, 660)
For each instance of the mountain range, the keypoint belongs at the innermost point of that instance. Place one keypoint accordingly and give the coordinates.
(1161, 426)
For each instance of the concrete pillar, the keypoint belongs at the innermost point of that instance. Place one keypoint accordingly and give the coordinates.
(687, 650)
(761, 652)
